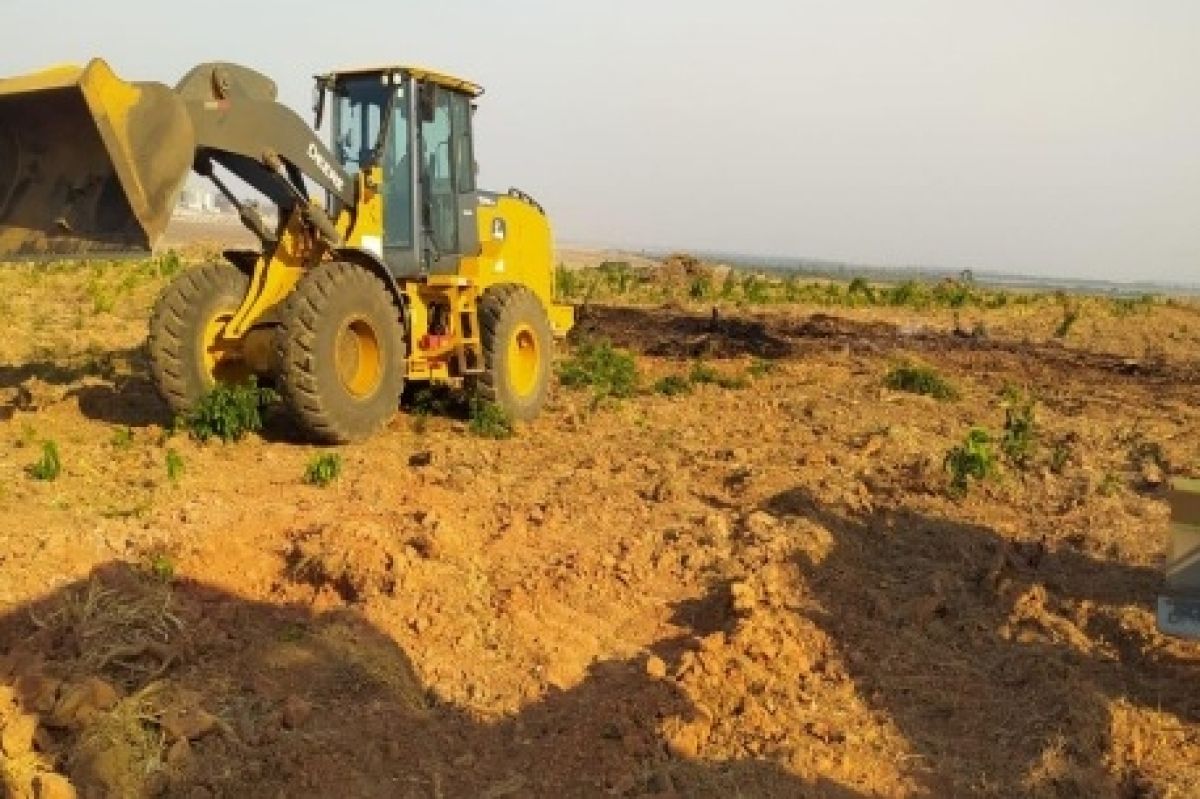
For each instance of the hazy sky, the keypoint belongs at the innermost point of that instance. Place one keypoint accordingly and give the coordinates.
(1051, 137)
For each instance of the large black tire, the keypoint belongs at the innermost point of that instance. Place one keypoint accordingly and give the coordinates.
(518, 350)
(183, 360)
(340, 353)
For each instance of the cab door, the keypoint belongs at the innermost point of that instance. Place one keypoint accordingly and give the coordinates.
(447, 179)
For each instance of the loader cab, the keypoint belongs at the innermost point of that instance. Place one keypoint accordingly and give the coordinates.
(416, 124)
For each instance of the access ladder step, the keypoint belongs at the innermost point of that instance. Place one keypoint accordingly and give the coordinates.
(470, 349)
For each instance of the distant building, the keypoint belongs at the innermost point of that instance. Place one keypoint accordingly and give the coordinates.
(198, 200)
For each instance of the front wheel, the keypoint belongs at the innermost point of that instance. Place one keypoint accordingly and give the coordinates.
(340, 353)
(518, 347)
(188, 351)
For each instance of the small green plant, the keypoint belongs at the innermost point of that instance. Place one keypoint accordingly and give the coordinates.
(703, 374)
(729, 285)
(971, 460)
(432, 401)
(160, 566)
(174, 466)
(567, 282)
(701, 288)
(228, 412)
(916, 379)
(608, 371)
(122, 438)
(761, 367)
(1110, 485)
(169, 264)
(489, 420)
(618, 275)
(673, 386)
(1127, 306)
(323, 469)
(732, 382)
(1060, 456)
(792, 291)
(1069, 318)
(1019, 439)
(49, 465)
(754, 290)
(103, 300)
(859, 287)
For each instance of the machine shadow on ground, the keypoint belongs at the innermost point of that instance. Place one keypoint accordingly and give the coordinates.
(276, 700)
(973, 645)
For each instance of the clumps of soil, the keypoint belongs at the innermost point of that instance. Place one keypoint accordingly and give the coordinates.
(356, 562)
(359, 561)
(764, 680)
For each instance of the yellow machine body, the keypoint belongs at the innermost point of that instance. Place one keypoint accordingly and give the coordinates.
(92, 166)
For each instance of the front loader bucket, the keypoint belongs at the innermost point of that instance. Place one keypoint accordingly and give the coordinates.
(89, 164)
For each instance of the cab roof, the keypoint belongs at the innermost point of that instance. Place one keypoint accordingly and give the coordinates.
(413, 71)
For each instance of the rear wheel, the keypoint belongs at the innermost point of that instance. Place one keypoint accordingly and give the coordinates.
(188, 354)
(340, 353)
(518, 347)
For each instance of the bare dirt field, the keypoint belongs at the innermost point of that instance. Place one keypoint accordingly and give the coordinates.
(759, 585)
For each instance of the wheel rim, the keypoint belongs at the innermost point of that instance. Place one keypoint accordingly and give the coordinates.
(223, 362)
(524, 360)
(358, 358)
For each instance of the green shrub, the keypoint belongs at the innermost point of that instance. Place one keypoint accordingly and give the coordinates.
(228, 412)
(971, 460)
(323, 469)
(434, 401)
(489, 420)
(953, 294)
(49, 465)
(618, 275)
(920, 380)
(909, 293)
(1019, 439)
(859, 287)
(608, 371)
(673, 386)
(1126, 306)
(174, 466)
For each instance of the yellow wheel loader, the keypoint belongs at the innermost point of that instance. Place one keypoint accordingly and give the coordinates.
(402, 270)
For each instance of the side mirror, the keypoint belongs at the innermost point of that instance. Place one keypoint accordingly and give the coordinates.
(318, 104)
